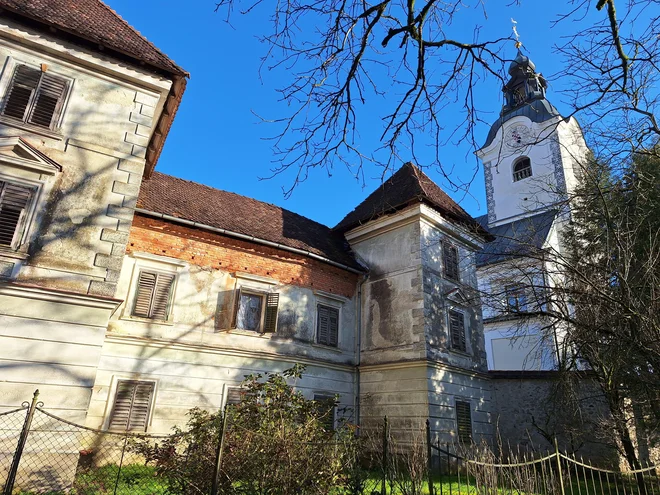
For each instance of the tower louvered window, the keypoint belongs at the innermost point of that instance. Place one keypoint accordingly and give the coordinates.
(464, 421)
(153, 294)
(35, 97)
(327, 325)
(14, 202)
(457, 330)
(132, 405)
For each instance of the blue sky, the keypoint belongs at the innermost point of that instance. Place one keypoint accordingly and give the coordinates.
(216, 138)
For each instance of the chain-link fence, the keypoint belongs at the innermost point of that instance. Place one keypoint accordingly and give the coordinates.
(41, 453)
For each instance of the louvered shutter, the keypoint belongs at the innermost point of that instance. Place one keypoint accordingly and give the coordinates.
(450, 259)
(161, 300)
(152, 295)
(333, 326)
(21, 91)
(322, 324)
(14, 200)
(237, 305)
(132, 405)
(457, 330)
(270, 321)
(464, 421)
(48, 100)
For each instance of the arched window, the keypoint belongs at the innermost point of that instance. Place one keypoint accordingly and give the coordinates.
(522, 169)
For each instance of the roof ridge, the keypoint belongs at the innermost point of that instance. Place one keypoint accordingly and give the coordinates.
(136, 31)
(240, 196)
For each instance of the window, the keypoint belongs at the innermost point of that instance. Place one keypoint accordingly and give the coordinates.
(450, 261)
(256, 311)
(132, 405)
(234, 396)
(14, 203)
(464, 421)
(522, 168)
(516, 299)
(326, 408)
(153, 295)
(457, 330)
(35, 96)
(327, 325)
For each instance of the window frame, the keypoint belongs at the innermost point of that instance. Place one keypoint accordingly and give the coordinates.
(516, 291)
(524, 173)
(54, 130)
(446, 246)
(154, 263)
(25, 223)
(463, 402)
(317, 334)
(112, 398)
(265, 295)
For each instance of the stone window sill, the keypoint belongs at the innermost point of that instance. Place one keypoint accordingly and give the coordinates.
(31, 128)
(169, 323)
(13, 254)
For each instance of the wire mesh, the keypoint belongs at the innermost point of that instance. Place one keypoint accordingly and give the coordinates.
(11, 425)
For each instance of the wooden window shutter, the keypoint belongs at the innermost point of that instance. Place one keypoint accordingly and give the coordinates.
(327, 325)
(457, 330)
(48, 100)
(132, 405)
(237, 305)
(464, 421)
(270, 321)
(14, 200)
(152, 296)
(450, 260)
(21, 91)
(326, 409)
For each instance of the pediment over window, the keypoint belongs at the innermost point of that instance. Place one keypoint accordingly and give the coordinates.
(21, 153)
(457, 296)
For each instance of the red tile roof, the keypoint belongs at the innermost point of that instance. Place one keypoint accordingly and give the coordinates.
(407, 186)
(224, 210)
(94, 21)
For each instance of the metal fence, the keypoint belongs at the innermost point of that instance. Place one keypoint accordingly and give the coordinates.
(41, 453)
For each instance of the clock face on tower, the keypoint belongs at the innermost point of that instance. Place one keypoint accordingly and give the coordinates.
(517, 136)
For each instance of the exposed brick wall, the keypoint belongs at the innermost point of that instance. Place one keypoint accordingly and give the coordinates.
(209, 250)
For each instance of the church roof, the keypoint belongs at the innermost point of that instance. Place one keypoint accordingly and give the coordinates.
(222, 210)
(515, 239)
(537, 111)
(407, 186)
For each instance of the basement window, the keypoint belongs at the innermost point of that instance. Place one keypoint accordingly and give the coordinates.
(326, 409)
(464, 421)
(35, 97)
(132, 406)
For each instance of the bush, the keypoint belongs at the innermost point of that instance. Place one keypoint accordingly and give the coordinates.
(275, 442)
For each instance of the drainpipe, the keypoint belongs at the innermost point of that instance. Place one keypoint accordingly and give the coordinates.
(359, 348)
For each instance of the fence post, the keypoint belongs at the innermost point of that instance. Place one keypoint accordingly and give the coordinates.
(218, 453)
(385, 432)
(561, 477)
(429, 456)
(22, 439)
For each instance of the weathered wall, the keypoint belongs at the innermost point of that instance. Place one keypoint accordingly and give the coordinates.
(56, 299)
(392, 299)
(195, 355)
(529, 409)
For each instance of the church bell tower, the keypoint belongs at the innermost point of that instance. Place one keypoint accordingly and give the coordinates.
(531, 153)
